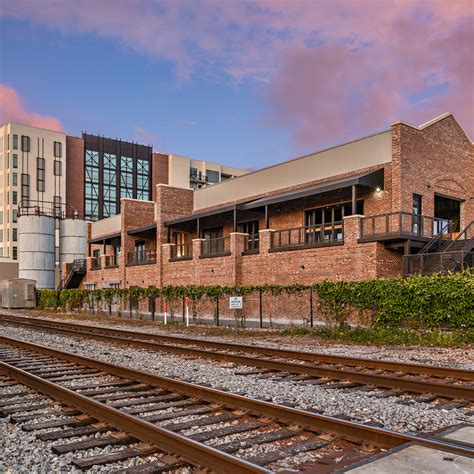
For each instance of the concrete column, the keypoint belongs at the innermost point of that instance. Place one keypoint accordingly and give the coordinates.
(265, 240)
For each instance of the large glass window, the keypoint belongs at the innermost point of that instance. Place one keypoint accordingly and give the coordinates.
(15, 142)
(213, 176)
(143, 180)
(25, 186)
(15, 160)
(110, 185)
(25, 143)
(91, 178)
(126, 177)
(58, 146)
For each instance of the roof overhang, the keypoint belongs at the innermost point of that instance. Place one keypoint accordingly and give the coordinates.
(372, 180)
(103, 238)
(141, 230)
(201, 215)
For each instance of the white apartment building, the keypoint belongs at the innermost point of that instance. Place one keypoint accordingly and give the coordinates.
(32, 167)
(188, 173)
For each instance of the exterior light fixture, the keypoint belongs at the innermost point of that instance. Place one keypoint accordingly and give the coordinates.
(378, 189)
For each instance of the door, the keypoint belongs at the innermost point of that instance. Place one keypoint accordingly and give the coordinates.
(417, 219)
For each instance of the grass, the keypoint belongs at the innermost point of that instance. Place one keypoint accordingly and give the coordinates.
(387, 336)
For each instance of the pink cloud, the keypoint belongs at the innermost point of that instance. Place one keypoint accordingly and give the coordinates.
(12, 109)
(142, 135)
(328, 69)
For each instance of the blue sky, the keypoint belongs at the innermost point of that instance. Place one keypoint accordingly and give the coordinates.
(244, 82)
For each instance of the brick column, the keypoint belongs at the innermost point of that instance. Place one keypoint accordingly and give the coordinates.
(195, 262)
(352, 228)
(237, 246)
(265, 240)
(166, 253)
(102, 261)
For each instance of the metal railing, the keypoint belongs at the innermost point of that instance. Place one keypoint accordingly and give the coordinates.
(79, 266)
(251, 244)
(308, 236)
(57, 210)
(429, 263)
(217, 247)
(95, 263)
(442, 230)
(141, 257)
(198, 176)
(111, 261)
(396, 223)
(182, 251)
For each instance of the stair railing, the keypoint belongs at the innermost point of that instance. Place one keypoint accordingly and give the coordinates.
(462, 236)
(446, 229)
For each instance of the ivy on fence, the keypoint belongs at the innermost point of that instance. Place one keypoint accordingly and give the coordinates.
(419, 301)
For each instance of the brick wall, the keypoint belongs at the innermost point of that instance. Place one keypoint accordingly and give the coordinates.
(75, 173)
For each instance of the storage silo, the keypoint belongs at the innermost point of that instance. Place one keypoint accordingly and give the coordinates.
(36, 245)
(72, 241)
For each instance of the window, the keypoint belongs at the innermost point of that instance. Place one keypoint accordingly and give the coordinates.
(40, 174)
(57, 205)
(126, 177)
(213, 176)
(58, 147)
(14, 216)
(58, 168)
(1, 235)
(15, 142)
(110, 185)
(1, 217)
(143, 182)
(15, 161)
(15, 253)
(140, 246)
(25, 186)
(91, 179)
(15, 179)
(15, 234)
(96, 253)
(25, 143)
(417, 211)
(1, 251)
(14, 197)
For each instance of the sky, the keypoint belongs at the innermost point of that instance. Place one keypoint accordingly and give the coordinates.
(244, 82)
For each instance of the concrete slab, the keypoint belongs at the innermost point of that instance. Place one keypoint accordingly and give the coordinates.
(415, 459)
(462, 435)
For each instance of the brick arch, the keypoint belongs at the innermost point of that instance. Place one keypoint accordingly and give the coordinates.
(451, 183)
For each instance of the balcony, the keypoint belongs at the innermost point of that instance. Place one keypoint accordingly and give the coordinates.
(95, 263)
(111, 261)
(219, 247)
(399, 225)
(181, 252)
(141, 257)
(198, 176)
(252, 244)
(307, 237)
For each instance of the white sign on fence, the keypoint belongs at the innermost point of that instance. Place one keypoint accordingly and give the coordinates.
(236, 302)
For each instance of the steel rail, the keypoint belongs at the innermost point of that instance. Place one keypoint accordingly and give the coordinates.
(347, 429)
(387, 381)
(416, 369)
(196, 453)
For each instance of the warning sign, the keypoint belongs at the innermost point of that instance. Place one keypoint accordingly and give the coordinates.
(236, 302)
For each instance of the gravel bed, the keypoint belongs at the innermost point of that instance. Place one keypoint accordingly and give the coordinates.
(21, 452)
(461, 357)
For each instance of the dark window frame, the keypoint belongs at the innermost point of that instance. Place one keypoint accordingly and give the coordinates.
(40, 174)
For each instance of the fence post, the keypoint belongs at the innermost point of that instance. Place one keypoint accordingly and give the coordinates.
(184, 308)
(261, 308)
(311, 306)
(217, 311)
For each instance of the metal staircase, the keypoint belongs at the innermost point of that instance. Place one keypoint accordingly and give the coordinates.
(74, 276)
(443, 253)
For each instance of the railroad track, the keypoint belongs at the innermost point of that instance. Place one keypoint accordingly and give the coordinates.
(181, 424)
(453, 387)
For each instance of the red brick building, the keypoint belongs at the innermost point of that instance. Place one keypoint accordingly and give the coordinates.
(349, 212)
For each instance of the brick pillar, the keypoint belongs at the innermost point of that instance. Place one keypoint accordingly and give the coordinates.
(166, 253)
(352, 228)
(102, 261)
(265, 240)
(122, 270)
(195, 263)
(237, 246)
(88, 264)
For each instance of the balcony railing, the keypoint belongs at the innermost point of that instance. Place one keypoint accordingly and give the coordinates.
(95, 263)
(198, 176)
(141, 257)
(308, 236)
(219, 247)
(251, 245)
(111, 261)
(400, 223)
(182, 251)
(429, 263)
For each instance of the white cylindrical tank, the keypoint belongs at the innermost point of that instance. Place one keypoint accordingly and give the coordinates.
(36, 246)
(72, 241)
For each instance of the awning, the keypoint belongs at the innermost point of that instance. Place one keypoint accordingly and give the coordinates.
(200, 215)
(371, 180)
(141, 230)
(99, 240)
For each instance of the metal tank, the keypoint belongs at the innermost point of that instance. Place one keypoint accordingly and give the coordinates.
(36, 249)
(72, 241)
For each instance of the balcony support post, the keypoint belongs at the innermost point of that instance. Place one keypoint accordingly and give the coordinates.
(267, 218)
(198, 225)
(354, 199)
(235, 220)
(168, 234)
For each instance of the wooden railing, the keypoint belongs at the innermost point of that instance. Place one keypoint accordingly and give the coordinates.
(142, 257)
(218, 247)
(399, 223)
(182, 251)
(308, 236)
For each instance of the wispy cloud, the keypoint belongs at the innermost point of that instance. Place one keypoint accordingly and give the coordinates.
(142, 135)
(12, 109)
(326, 68)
